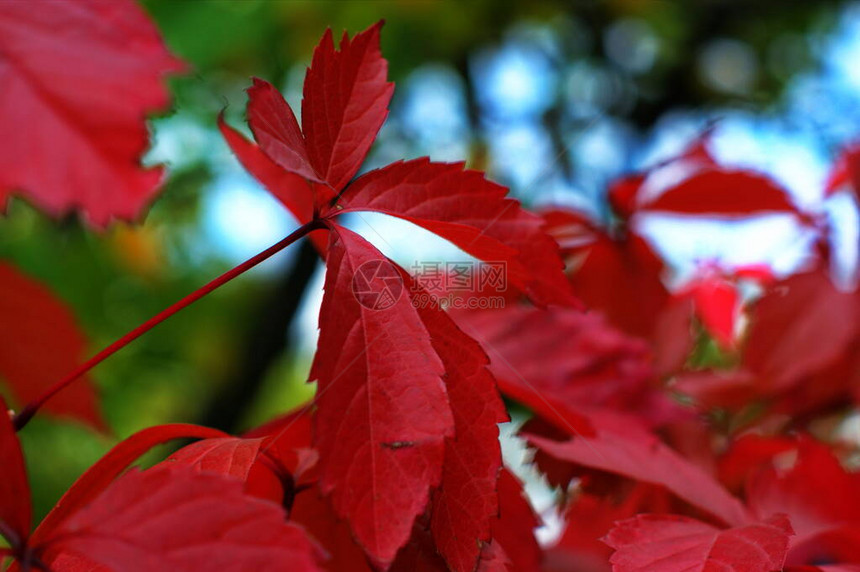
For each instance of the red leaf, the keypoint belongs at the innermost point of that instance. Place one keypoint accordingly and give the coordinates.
(462, 508)
(723, 193)
(514, 529)
(345, 103)
(291, 430)
(463, 207)
(292, 190)
(626, 194)
(172, 518)
(383, 413)
(801, 325)
(693, 183)
(276, 129)
(826, 568)
(97, 478)
(288, 441)
(594, 365)
(846, 172)
(669, 543)
(816, 492)
(732, 389)
(674, 336)
(419, 554)
(71, 562)
(718, 307)
(15, 509)
(570, 228)
(840, 544)
(251, 461)
(621, 278)
(346, 95)
(590, 518)
(229, 456)
(623, 195)
(621, 446)
(40, 342)
(315, 514)
(746, 455)
(82, 76)
(494, 559)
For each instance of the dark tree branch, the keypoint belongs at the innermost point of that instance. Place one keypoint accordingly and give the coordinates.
(267, 339)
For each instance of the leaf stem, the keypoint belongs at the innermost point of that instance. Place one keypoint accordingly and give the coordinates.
(23, 417)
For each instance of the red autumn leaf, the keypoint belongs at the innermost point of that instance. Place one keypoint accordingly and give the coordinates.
(292, 190)
(172, 518)
(623, 447)
(838, 546)
(732, 389)
(626, 194)
(759, 272)
(471, 212)
(831, 386)
(668, 543)
(463, 506)
(419, 554)
(40, 342)
(79, 79)
(277, 131)
(72, 562)
(693, 183)
(799, 327)
(826, 568)
(494, 559)
(574, 357)
(816, 491)
(845, 173)
(251, 461)
(515, 526)
(228, 456)
(290, 430)
(723, 192)
(402, 418)
(15, 510)
(287, 442)
(590, 518)
(621, 277)
(346, 97)
(623, 194)
(383, 413)
(717, 304)
(674, 336)
(314, 513)
(98, 477)
(746, 455)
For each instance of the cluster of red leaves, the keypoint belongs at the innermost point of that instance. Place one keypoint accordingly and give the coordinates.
(405, 421)
(665, 461)
(669, 460)
(399, 465)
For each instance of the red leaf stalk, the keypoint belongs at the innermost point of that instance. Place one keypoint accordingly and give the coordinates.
(23, 417)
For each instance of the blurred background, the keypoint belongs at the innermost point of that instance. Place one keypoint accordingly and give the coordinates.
(551, 98)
